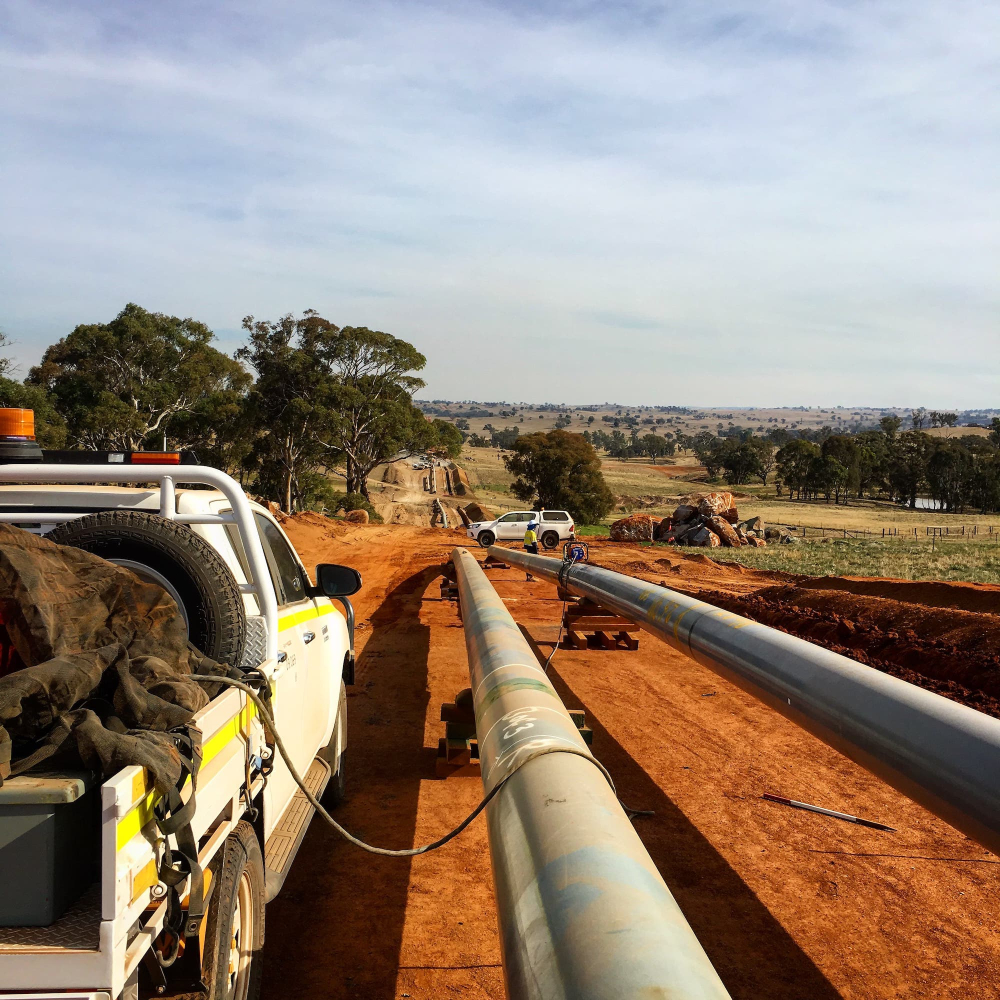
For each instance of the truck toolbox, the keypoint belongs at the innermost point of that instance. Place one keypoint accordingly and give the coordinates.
(49, 845)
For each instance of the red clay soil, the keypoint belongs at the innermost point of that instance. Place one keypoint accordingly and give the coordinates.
(678, 471)
(929, 593)
(789, 905)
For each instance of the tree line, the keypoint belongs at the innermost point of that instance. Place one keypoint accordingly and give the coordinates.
(301, 400)
(957, 473)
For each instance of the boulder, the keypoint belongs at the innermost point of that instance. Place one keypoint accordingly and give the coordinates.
(683, 532)
(772, 534)
(357, 516)
(476, 512)
(715, 503)
(725, 531)
(754, 524)
(685, 512)
(636, 528)
(787, 539)
(731, 515)
(756, 540)
(664, 528)
(703, 537)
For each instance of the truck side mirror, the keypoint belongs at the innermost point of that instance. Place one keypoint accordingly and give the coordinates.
(337, 581)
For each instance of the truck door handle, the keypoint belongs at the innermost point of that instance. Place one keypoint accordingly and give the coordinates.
(308, 636)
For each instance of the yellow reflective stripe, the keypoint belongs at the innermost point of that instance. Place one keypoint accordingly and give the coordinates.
(298, 617)
(142, 812)
(135, 819)
(144, 879)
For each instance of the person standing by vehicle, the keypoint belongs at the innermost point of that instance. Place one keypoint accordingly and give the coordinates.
(531, 541)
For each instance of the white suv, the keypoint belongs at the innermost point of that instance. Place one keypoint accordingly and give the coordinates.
(554, 526)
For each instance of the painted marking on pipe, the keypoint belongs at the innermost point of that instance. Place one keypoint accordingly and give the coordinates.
(521, 684)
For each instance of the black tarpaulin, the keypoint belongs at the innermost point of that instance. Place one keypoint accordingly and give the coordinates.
(106, 660)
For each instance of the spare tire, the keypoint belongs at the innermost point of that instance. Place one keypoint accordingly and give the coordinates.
(173, 556)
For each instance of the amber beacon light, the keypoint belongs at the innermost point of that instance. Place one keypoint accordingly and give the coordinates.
(17, 436)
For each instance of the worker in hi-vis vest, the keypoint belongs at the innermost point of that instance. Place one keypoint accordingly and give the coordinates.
(531, 542)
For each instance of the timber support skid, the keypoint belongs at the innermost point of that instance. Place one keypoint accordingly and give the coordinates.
(491, 562)
(449, 589)
(590, 626)
(458, 749)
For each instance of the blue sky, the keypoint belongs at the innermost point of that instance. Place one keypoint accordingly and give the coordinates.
(764, 202)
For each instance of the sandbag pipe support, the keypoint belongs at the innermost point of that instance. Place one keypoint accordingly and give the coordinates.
(583, 911)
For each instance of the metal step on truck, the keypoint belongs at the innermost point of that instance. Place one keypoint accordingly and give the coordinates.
(83, 910)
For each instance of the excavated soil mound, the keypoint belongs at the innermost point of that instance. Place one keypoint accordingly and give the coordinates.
(965, 596)
(403, 474)
(954, 653)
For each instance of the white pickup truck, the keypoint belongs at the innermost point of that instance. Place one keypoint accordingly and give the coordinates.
(554, 526)
(247, 600)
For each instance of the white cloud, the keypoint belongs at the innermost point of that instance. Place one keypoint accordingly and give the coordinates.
(681, 203)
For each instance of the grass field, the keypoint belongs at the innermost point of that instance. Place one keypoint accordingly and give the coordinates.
(976, 561)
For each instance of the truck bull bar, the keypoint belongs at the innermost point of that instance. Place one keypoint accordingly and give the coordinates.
(943, 755)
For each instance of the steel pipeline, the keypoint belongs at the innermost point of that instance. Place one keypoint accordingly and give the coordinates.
(583, 911)
(943, 755)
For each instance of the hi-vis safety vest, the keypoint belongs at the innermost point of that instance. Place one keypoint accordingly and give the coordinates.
(530, 537)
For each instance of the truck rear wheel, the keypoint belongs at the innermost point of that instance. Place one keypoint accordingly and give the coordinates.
(234, 932)
(550, 539)
(174, 557)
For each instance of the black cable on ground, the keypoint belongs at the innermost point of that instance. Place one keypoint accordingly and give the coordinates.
(347, 835)
(562, 626)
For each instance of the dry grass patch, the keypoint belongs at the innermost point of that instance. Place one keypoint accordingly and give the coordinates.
(970, 561)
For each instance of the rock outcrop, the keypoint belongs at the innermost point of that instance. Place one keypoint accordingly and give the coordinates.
(637, 528)
(713, 504)
(711, 520)
(726, 532)
(685, 512)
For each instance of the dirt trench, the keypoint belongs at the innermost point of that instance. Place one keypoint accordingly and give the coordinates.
(788, 905)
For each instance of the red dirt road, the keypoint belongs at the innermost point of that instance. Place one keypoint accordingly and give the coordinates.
(787, 904)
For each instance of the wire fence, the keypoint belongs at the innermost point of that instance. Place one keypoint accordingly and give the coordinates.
(896, 531)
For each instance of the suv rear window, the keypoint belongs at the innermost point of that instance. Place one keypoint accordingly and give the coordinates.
(555, 515)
